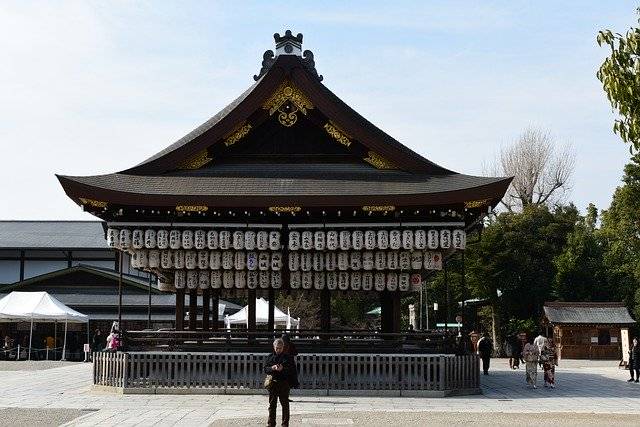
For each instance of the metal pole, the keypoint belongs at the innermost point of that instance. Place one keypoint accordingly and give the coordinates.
(119, 295)
(64, 343)
(446, 287)
(55, 338)
(420, 323)
(149, 306)
(30, 337)
(426, 305)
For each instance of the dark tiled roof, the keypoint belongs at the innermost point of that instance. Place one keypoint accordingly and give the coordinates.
(52, 234)
(587, 313)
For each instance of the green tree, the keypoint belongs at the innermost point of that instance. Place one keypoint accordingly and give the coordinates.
(620, 77)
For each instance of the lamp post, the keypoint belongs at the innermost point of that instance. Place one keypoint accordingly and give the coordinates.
(435, 313)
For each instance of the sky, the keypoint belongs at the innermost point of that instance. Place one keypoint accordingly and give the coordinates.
(95, 87)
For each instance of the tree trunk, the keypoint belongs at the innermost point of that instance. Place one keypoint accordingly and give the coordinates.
(495, 331)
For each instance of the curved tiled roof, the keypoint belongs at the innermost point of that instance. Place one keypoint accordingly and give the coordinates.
(588, 313)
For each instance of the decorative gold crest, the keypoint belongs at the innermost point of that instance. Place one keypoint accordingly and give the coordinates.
(336, 133)
(93, 203)
(378, 208)
(378, 161)
(191, 208)
(237, 134)
(476, 203)
(196, 161)
(284, 209)
(287, 94)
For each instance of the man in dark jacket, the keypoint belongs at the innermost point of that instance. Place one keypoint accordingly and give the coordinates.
(279, 365)
(634, 360)
(485, 346)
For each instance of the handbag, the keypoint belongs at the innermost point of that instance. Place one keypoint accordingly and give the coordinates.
(268, 381)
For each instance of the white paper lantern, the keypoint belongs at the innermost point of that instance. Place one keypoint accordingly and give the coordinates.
(204, 280)
(227, 260)
(166, 259)
(294, 240)
(294, 261)
(262, 240)
(379, 281)
(113, 238)
(330, 261)
(199, 239)
(137, 239)
(276, 261)
(420, 239)
(178, 259)
(140, 259)
(416, 282)
(370, 239)
(249, 240)
(367, 281)
(416, 260)
(433, 260)
(355, 261)
(395, 239)
(187, 239)
(306, 261)
(240, 278)
(319, 241)
(175, 239)
(203, 260)
(343, 280)
(276, 279)
(356, 280)
(433, 239)
(318, 261)
(367, 260)
(404, 260)
(445, 239)
(357, 240)
(212, 239)
(274, 240)
(332, 240)
(180, 279)
(166, 287)
(252, 279)
(392, 260)
(318, 281)
(150, 239)
(459, 239)
(216, 279)
(239, 260)
(295, 280)
(125, 239)
(332, 281)
(252, 261)
(192, 279)
(228, 279)
(383, 239)
(343, 261)
(190, 260)
(392, 282)
(380, 260)
(306, 240)
(407, 239)
(345, 240)
(264, 261)
(404, 283)
(307, 280)
(215, 260)
(154, 258)
(162, 239)
(224, 239)
(238, 240)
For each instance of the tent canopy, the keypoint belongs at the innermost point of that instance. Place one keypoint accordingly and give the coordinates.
(262, 315)
(37, 306)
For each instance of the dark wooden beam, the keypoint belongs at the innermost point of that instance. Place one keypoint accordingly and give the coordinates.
(386, 308)
(206, 315)
(193, 309)
(179, 309)
(21, 266)
(272, 306)
(215, 300)
(251, 312)
(325, 310)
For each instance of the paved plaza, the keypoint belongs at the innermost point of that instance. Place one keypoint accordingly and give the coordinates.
(54, 394)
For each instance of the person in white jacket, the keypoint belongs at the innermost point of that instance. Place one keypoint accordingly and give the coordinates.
(541, 342)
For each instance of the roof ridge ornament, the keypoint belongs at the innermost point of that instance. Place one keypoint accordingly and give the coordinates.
(289, 45)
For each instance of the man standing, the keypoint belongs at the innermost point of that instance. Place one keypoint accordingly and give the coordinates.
(485, 346)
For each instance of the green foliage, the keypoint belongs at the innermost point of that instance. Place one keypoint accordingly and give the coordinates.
(619, 74)
(515, 326)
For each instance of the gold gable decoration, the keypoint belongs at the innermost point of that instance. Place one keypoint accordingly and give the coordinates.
(377, 161)
(93, 203)
(287, 101)
(338, 134)
(196, 161)
(237, 134)
(476, 203)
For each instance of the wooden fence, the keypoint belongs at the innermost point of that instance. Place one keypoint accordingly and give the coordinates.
(234, 372)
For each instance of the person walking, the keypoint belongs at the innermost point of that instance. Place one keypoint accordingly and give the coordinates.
(634, 361)
(278, 366)
(291, 350)
(540, 341)
(549, 359)
(530, 354)
(485, 346)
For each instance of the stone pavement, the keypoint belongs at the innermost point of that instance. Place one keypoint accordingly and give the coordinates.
(583, 387)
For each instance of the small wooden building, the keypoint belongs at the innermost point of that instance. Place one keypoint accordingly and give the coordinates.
(589, 330)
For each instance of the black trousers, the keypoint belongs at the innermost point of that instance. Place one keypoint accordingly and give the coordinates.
(634, 367)
(486, 360)
(279, 390)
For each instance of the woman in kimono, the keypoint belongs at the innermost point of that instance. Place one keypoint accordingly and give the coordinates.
(530, 354)
(549, 362)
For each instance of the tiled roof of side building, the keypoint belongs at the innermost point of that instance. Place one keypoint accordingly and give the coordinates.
(588, 313)
(52, 234)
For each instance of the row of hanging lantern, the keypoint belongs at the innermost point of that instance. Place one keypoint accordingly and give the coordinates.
(297, 261)
(407, 239)
(356, 281)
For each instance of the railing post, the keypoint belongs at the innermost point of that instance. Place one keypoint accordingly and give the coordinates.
(441, 372)
(125, 369)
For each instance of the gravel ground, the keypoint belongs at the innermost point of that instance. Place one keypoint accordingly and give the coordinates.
(445, 419)
(23, 417)
(39, 365)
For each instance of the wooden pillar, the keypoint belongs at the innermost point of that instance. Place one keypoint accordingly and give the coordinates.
(215, 300)
(272, 306)
(386, 309)
(251, 321)
(325, 310)
(206, 315)
(396, 312)
(179, 309)
(193, 309)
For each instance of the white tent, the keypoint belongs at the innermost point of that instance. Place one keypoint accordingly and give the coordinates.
(38, 307)
(262, 316)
